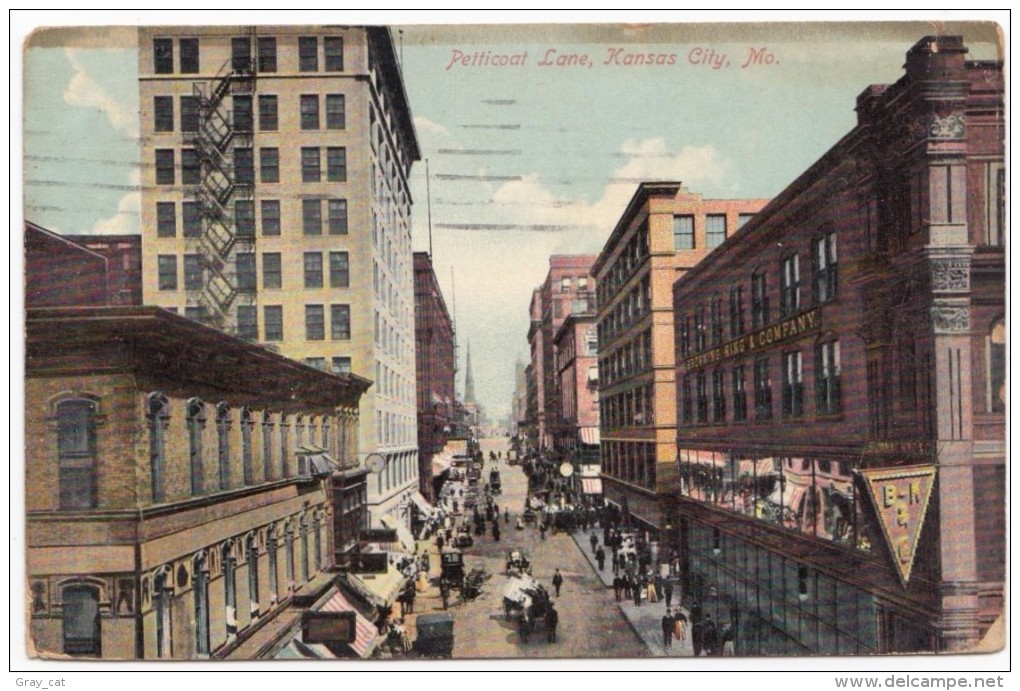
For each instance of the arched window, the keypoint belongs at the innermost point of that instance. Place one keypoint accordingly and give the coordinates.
(828, 398)
(196, 425)
(76, 450)
(200, 582)
(997, 366)
(316, 544)
(223, 424)
(288, 545)
(325, 432)
(759, 300)
(247, 423)
(267, 446)
(789, 285)
(162, 595)
(158, 411)
(82, 630)
(284, 445)
(229, 589)
(304, 549)
(251, 555)
(826, 284)
(271, 553)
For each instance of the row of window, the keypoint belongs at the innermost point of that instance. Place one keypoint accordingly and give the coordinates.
(244, 165)
(336, 219)
(636, 304)
(635, 407)
(716, 231)
(632, 462)
(272, 271)
(241, 59)
(315, 323)
(633, 357)
(630, 258)
(243, 120)
(707, 328)
(727, 389)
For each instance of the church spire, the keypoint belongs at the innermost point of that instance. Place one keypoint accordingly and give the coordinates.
(469, 380)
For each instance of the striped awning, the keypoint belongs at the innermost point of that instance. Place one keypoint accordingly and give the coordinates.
(591, 485)
(404, 536)
(590, 436)
(365, 631)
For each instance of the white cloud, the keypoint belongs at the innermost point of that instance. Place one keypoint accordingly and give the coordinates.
(84, 92)
(424, 125)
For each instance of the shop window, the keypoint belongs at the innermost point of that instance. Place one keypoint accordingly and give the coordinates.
(196, 425)
(158, 413)
(223, 424)
(76, 450)
(82, 628)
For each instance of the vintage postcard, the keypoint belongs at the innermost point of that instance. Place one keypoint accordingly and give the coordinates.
(354, 342)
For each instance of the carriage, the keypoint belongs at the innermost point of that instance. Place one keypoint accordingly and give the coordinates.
(527, 602)
(495, 482)
(435, 635)
(462, 538)
(517, 562)
(452, 564)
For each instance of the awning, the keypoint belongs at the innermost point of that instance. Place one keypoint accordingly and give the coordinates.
(314, 460)
(591, 470)
(591, 485)
(404, 536)
(422, 505)
(441, 464)
(590, 436)
(760, 468)
(380, 589)
(366, 632)
(700, 457)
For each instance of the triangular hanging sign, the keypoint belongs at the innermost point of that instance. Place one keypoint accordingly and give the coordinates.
(900, 496)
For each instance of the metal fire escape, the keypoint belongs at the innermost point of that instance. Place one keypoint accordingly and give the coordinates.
(225, 193)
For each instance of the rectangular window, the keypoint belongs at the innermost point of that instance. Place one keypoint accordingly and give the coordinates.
(163, 113)
(310, 166)
(715, 230)
(245, 262)
(789, 283)
(793, 387)
(268, 114)
(341, 365)
(163, 55)
(313, 269)
(762, 390)
(270, 217)
(311, 216)
(267, 53)
(340, 322)
(189, 114)
(269, 164)
(76, 448)
(308, 54)
(718, 396)
(273, 318)
(687, 411)
(167, 271)
(333, 46)
(244, 119)
(192, 212)
(244, 166)
(191, 167)
(244, 218)
(247, 322)
(759, 300)
(315, 327)
(701, 411)
(739, 394)
(165, 167)
(240, 54)
(166, 219)
(736, 311)
(336, 158)
(742, 219)
(316, 362)
(715, 314)
(272, 270)
(683, 232)
(338, 217)
(827, 389)
(194, 272)
(826, 284)
(685, 337)
(310, 112)
(189, 55)
(339, 270)
(699, 329)
(336, 116)
(195, 313)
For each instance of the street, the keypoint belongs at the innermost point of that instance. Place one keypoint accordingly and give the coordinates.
(591, 624)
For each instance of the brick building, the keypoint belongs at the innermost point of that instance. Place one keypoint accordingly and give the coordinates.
(179, 491)
(434, 353)
(664, 231)
(577, 373)
(569, 288)
(841, 441)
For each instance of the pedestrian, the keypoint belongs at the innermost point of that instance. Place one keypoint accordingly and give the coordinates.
(680, 625)
(557, 581)
(600, 557)
(495, 531)
(709, 636)
(727, 639)
(506, 516)
(594, 541)
(667, 589)
(667, 629)
(541, 529)
(653, 593)
(410, 595)
(617, 587)
(637, 588)
(440, 542)
(616, 560)
(552, 619)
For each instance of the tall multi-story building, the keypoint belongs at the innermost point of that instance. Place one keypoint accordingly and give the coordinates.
(664, 231)
(519, 401)
(434, 346)
(577, 372)
(569, 288)
(841, 441)
(275, 206)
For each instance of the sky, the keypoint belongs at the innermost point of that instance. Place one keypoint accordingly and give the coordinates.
(533, 157)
